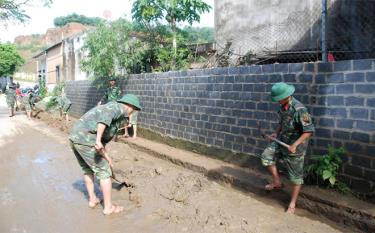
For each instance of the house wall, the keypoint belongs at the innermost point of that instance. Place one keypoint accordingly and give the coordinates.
(54, 58)
(267, 26)
(73, 56)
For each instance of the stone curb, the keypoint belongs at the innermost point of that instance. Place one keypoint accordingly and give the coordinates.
(343, 210)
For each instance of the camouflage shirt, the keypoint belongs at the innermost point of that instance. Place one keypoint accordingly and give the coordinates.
(62, 100)
(26, 99)
(133, 118)
(10, 96)
(111, 94)
(294, 122)
(111, 114)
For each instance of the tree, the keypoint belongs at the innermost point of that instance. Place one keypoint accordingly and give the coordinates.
(63, 20)
(10, 59)
(173, 11)
(112, 50)
(12, 10)
(199, 35)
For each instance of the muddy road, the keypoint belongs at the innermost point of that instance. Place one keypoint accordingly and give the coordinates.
(42, 190)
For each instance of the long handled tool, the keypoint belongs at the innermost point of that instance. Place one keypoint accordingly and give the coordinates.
(272, 138)
(121, 183)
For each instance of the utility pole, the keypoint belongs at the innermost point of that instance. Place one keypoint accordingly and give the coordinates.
(323, 31)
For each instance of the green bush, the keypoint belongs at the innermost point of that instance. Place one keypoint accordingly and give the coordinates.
(325, 168)
(57, 89)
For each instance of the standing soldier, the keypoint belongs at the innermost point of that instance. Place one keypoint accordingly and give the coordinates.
(88, 139)
(64, 105)
(131, 123)
(294, 129)
(112, 93)
(27, 103)
(11, 98)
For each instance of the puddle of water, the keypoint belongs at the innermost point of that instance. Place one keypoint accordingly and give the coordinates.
(43, 158)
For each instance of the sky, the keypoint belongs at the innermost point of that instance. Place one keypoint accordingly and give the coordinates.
(42, 17)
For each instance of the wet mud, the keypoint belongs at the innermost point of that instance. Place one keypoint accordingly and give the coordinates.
(42, 190)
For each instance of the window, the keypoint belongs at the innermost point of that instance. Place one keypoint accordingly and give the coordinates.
(57, 74)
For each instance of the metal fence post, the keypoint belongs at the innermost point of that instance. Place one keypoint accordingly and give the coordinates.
(323, 31)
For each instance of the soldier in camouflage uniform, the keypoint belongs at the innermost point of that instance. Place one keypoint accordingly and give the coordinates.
(294, 129)
(131, 123)
(64, 105)
(27, 103)
(11, 98)
(88, 138)
(112, 93)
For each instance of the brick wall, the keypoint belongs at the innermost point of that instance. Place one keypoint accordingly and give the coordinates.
(220, 107)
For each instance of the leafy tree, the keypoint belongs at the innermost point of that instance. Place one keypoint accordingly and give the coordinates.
(198, 35)
(63, 20)
(12, 10)
(10, 59)
(173, 11)
(112, 49)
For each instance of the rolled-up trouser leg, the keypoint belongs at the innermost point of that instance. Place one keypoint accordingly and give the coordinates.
(91, 161)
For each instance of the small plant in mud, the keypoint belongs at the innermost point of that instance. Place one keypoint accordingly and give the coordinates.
(324, 169)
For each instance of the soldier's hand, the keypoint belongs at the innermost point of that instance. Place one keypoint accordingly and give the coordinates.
(110, 161)
(99, 146)
(273, 135)
(292, 149)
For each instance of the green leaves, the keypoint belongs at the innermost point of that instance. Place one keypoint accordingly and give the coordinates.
(326, 167)
(154, 12)
(10, 60)
(63, 20)
(327, 174)
(332, 180)
(112, 50)
(12, 10)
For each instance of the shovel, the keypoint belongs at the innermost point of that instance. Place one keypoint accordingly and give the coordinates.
(121, 183)
(272, 138)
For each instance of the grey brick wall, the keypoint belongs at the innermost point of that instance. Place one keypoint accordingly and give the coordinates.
(220, 107)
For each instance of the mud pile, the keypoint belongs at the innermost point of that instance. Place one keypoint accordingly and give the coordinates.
(54, 120)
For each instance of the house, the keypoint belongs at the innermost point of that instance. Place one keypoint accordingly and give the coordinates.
(50, 63)
(61, 61)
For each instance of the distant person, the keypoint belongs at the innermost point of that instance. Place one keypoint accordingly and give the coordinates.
(11, 98)
(112, 93)
(88, 139)
(295, 128)
(131, 124)
(27, 103)
(64, 105)
(18, 96)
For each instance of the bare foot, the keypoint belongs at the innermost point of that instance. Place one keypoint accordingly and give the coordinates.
(115, 209)
(291, 209)
(93, 204)
(273, 186)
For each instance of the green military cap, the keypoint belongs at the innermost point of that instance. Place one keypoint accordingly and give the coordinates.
(281, 91)
(130, 99)
(112, 78)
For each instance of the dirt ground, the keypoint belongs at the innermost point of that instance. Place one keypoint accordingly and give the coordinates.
(42, 190)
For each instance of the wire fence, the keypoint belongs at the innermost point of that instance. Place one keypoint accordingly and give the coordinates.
(327, 30)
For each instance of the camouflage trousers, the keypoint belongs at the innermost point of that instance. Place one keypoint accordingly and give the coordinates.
(293, 163)
(65, 108)
(11, 102)
(28, 107)
(91, 161)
